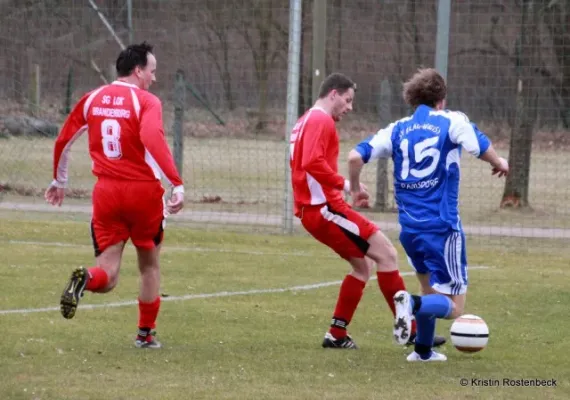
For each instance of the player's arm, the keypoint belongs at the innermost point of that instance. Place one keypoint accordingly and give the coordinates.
(317, 136)
(373, 147)
(466, 134)
(73, 127)
(153, 139)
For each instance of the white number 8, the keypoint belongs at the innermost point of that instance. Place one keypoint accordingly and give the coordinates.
(111, 134)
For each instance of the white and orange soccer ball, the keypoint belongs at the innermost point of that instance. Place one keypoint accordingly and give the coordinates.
(469, 333)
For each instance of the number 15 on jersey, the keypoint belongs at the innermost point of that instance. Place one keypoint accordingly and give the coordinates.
(422, 150)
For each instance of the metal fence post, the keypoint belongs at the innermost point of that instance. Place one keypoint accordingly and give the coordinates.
(294, 60)
(442, 37)
(178, 128)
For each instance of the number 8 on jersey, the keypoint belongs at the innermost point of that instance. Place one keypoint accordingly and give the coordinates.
(111, 135)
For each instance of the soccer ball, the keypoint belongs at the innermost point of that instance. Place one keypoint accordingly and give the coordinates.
(469, 333)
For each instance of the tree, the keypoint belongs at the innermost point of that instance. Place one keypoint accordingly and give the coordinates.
(408, 55)
(556, 14)
(527, 58)
(267, 40)
(218, 35)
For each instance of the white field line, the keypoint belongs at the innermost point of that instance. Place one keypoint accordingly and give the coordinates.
(313, 286)
(180, 248)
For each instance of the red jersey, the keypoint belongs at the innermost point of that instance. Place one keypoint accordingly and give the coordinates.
(314, 150)
(126, 135)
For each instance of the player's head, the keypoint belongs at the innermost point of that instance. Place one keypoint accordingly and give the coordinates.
(138, 63)
(426, 87)
(337, 90)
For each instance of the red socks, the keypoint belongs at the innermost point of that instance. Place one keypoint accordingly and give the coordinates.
(98, 279)
(350, 294)
(148, 313)
(390, 283)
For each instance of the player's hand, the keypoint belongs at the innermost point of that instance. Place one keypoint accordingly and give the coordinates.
(347, 190)
(175, 203)
(502, 169)
(360, 199)
(54, 195)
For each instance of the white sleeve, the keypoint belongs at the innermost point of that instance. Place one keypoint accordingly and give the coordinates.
(461, 132)
(381, 143)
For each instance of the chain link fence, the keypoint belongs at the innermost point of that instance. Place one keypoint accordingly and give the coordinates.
(223, 79)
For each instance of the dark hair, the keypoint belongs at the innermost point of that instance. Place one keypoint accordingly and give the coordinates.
(135, 55)
(426, 87)
(336, 81)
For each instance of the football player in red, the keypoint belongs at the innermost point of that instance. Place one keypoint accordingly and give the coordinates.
(319, 204)
(130, 156)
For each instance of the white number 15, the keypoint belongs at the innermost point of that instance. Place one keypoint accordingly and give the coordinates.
(422, 150)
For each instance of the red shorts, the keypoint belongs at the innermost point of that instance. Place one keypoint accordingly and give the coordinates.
(127, 209)
(343, 229)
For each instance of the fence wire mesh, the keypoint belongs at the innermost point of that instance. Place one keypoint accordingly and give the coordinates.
(222, 77)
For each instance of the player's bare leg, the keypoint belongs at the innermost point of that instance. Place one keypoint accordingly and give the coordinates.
(100, 279)
(361, 268)
(459, 301)
(425, 287)
(382, 252)
(110, 262)
(149, 298)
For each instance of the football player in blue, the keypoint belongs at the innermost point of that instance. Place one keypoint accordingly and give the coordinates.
(426, 150)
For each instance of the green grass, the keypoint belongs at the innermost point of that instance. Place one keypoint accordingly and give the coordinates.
(248, 176)
(265, 346)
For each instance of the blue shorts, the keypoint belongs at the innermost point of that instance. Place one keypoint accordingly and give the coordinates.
(442, 255)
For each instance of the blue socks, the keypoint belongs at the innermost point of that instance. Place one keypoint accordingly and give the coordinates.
(426, 309)
(436, 305)
(425, 332)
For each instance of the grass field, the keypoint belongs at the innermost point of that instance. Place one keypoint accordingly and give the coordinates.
(258, 344)
(247, 176)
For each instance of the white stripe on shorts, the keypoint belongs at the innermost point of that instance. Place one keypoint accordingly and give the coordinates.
(340, 221)
(452, 255)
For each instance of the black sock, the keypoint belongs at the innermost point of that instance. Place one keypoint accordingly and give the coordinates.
(417, 303)
(143, 332)
(423, 350)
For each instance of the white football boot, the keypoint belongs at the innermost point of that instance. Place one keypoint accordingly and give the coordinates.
(413, 357)
(403, 319)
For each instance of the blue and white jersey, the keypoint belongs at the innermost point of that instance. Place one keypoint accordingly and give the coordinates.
(426, 150)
